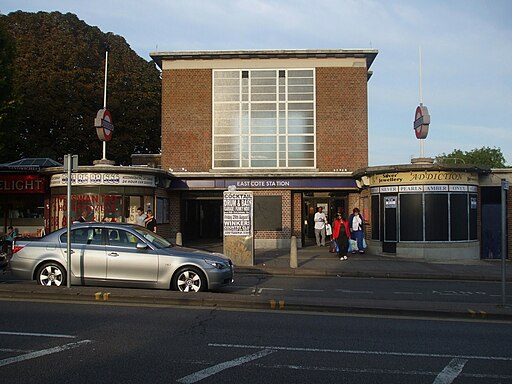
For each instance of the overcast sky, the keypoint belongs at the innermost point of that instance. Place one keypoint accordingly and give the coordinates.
(466, 50)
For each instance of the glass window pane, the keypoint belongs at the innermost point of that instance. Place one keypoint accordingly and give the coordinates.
(436, 217)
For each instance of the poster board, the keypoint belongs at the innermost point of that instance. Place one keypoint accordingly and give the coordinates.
(238, 227)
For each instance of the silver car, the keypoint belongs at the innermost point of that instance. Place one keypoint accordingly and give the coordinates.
(118, 254)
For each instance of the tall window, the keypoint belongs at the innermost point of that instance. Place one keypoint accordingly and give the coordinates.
(264, 118)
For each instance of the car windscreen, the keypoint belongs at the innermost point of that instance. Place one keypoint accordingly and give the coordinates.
(156, 240)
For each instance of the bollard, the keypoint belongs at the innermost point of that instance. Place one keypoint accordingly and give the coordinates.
(179, 240)
(293, 253)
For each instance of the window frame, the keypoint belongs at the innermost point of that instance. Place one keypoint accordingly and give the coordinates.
(244, 140)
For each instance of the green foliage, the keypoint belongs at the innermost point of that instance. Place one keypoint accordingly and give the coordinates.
(485, 156)
(7, 99)
(59, 78)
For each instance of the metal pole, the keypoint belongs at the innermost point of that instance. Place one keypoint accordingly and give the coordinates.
(68, 200)
(105, 101)
(504, 188)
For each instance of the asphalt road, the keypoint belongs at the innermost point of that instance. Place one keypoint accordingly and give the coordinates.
(471, 292)
(104, 343)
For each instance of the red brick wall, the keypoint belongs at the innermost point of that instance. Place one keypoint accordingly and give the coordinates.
(187, 120)
(341, 118)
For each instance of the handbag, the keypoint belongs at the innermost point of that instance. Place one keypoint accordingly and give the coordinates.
(328, 229)
(352, 245)
(334, 247)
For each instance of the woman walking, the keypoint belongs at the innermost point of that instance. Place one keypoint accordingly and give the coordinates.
(341, 234)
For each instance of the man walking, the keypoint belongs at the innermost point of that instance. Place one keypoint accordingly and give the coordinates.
(320, 221)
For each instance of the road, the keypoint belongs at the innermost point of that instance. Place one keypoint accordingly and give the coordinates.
(104, 343)
(370, 288)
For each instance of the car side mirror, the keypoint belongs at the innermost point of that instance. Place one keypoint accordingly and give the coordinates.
(142, 246)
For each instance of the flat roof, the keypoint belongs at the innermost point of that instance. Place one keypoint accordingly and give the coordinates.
(368, 54)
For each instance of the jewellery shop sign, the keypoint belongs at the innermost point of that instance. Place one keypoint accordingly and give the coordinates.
(120, 179)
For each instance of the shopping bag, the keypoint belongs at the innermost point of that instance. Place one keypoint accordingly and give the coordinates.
(364, 243)
(328, 229)
(334, 248)
(352, 245)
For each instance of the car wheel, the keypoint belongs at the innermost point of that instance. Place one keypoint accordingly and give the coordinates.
(51, 274)
(189, 279)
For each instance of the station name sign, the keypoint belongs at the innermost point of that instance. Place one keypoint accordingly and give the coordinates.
(120, 179)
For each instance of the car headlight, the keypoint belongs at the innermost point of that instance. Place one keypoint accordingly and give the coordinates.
(216, 264)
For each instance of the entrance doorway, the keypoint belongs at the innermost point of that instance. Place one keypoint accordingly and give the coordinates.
(202, 219)
(330, 203)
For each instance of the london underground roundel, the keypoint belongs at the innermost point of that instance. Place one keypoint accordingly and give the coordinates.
(104, 125)
(421, 122)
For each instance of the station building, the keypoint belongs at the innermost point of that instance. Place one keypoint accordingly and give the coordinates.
(289, 125)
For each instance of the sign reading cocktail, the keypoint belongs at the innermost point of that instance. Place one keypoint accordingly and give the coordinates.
(238, 213)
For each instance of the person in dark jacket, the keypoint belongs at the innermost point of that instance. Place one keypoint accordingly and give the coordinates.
(341, 234)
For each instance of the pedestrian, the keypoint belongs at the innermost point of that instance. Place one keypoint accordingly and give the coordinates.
(356, 226)
(10, 236)
(150, 221)
(82, 218)
(341, 234)
(141, 216)
(320, 221)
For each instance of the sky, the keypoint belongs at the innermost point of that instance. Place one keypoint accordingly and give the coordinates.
(465, 48)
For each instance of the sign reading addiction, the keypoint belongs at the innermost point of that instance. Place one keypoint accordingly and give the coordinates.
(238, 213)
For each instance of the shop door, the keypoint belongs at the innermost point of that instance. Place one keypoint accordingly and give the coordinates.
(390, 237)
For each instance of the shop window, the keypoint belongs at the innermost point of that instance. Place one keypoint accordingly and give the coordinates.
(163, 216)
(459, 217)
(411, 217)
(436, 217)
(375, 217)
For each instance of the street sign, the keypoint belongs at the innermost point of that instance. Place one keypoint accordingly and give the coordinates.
(104, 125)
(421, 122)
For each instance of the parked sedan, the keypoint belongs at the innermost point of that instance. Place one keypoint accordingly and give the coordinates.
(118, 254)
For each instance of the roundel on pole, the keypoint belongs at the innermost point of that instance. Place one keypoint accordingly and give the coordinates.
(421, 122)
(104, 125)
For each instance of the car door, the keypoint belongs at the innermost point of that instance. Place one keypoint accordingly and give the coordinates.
(88, 254)
(127, 263)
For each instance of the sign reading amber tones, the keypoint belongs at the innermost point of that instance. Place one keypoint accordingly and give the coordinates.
(430, 177)
(21, 184)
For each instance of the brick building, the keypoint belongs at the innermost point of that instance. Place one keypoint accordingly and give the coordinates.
(289, 125)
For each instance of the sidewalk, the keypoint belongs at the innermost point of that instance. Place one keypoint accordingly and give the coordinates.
(314, 261)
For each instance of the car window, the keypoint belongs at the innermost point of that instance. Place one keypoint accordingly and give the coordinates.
(121, 238)
(84, 236)
(156, 240)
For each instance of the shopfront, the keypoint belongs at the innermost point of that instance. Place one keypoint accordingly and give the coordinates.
(23, 203)
(110, 194)
(424, 212)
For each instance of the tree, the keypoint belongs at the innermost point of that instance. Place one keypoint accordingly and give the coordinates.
(7, 99)
(485, 156)
(60, 65)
